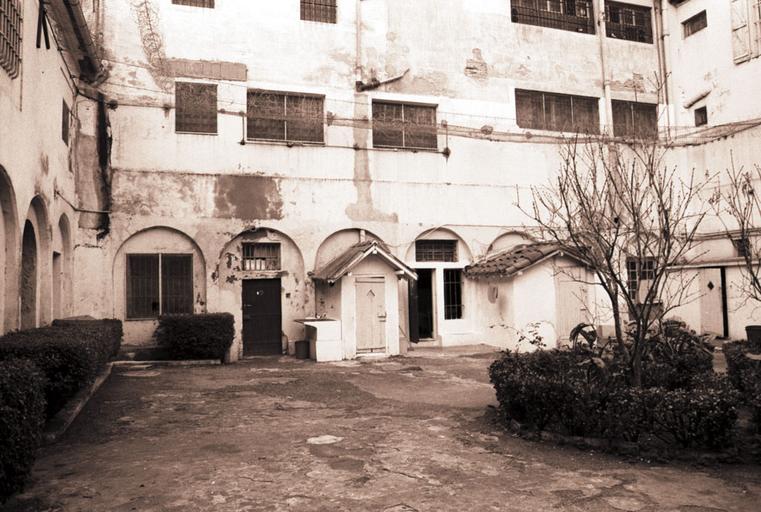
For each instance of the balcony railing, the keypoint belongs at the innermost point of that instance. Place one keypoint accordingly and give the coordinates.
(558, 20)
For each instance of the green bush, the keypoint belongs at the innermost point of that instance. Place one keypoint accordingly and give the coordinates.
(574, 393)
(745, 374)
(70, 356)
(22, 416)
(204, 336)
(107, 330)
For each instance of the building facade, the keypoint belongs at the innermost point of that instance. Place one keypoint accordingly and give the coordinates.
(234, 153)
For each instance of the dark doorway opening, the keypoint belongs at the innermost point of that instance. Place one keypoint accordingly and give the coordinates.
(262, 317)
(29, 278)
(425, 303)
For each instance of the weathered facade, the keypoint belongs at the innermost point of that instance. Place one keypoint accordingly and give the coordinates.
(235, 151)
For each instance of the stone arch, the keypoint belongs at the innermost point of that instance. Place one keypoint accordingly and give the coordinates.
(464, 253)
(36, 299)
(338, 242)
(62, 268)
(158, 240)
(9, 242)
(508, 240)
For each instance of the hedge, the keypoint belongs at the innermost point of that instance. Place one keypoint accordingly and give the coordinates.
(568, 392)
(202, 336)
(745, 373)
(108, 330)
(69, 355)
(22, 416)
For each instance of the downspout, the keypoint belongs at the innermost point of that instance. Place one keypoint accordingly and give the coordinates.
(601, 35)
(358, 42)
(663, 61)
(93, 68)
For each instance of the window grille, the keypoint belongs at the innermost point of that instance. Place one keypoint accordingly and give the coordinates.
(557, 112)
(701, 116)
(633, 119)
(261, 256)
(436, 250)
(195, 107)
(630, 22)
(195, 3)
(402, 125)
(695, 24)
(65, 119)
(452, 293)
(285, 116)
(742, 246)
(323, 11)
(572, 15)
(10, 36)
(159, 284)
(638, 271)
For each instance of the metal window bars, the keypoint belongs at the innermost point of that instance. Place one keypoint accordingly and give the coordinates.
(10, 37)
(283, 116)
(557, 112)
(404, 125)
(159, 284)
(629, 22)
(323, 11)
(571, 15)
(261, 256)
(436, 250)
(452, 293)
(195, 107)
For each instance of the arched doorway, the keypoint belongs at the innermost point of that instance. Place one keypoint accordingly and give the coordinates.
(29, 277)
(8, 255)
(62, 278)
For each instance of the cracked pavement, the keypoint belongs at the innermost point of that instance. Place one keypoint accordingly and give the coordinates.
(411, 433)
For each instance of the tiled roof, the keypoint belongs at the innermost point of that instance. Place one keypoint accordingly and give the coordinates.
(507, 263)
(346, 261)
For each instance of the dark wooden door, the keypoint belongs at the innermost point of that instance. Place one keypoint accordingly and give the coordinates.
(262, 317)
(425, 303)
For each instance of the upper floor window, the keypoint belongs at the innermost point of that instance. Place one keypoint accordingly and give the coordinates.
(639, 271)
(633, 119)
(195, 107)
(261, 256)
(323, 11)
(573, 15)
(404, 125)
(285, 116)
(742, 246)
(65, 120)
(746, 29)
(195, 3)
(630, 22)
(695, 24)
(159, 284)
(10, 36)
(436, 250)
(557, 112)
(701, 116)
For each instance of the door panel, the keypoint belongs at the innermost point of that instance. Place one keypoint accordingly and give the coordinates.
(371, 314)
(571, 301)
(711, 304)
(262, 317)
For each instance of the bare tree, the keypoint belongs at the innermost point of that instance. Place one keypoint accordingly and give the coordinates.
(738, 206)
(619, 209)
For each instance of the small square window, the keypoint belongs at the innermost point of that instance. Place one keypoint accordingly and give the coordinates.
(701, 116)
(195, 107)
(742, 246)
(323, 11)
(261, 256)
(695, 24)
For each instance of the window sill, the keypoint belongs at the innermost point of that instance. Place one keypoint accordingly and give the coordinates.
(146, 319)
(288, 143)
(196, 133)
(411, 150)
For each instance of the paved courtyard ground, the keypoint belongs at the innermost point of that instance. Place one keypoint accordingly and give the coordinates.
(405, 434)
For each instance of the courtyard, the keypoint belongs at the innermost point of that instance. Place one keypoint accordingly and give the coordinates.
(401, 434)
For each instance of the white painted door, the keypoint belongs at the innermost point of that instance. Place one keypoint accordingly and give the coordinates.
(711, 302)
(371, 314)
(571, 301)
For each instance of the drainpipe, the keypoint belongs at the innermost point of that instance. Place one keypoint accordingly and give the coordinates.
(92, 68)
(661, 25)
(599, 8)
(358, 42)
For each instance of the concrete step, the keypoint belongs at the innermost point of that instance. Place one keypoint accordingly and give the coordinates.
(142, 353)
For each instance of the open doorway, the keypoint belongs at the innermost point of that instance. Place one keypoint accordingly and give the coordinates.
(425, 303)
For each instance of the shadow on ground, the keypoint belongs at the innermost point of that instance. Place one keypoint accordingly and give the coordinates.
(405, 434)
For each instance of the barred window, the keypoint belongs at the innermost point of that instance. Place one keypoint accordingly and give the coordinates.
(159, 284)
(630, 22)
(452, 293)
(196, 107)
(557, 112)
(638, 271)
(403, 125)
(195, 3)
(633, 119)
(285, 116)
(10, 36)
(436, 250)
(695, 24)
(323, 11)
(261, 256)
(572, 15)
(65, 115)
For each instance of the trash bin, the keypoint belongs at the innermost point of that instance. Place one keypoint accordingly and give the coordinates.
(302, 349)
(754, 334)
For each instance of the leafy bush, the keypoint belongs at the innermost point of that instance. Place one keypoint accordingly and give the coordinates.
(675, 357)
(22, 416)
(745, 373)
(70, 356)
(108, 330)
(205, 336)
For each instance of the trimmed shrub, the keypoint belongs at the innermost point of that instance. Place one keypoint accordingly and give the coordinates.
(22, 416)
(204, 336)
(108, 330)
(70, 356)
(745, 373)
